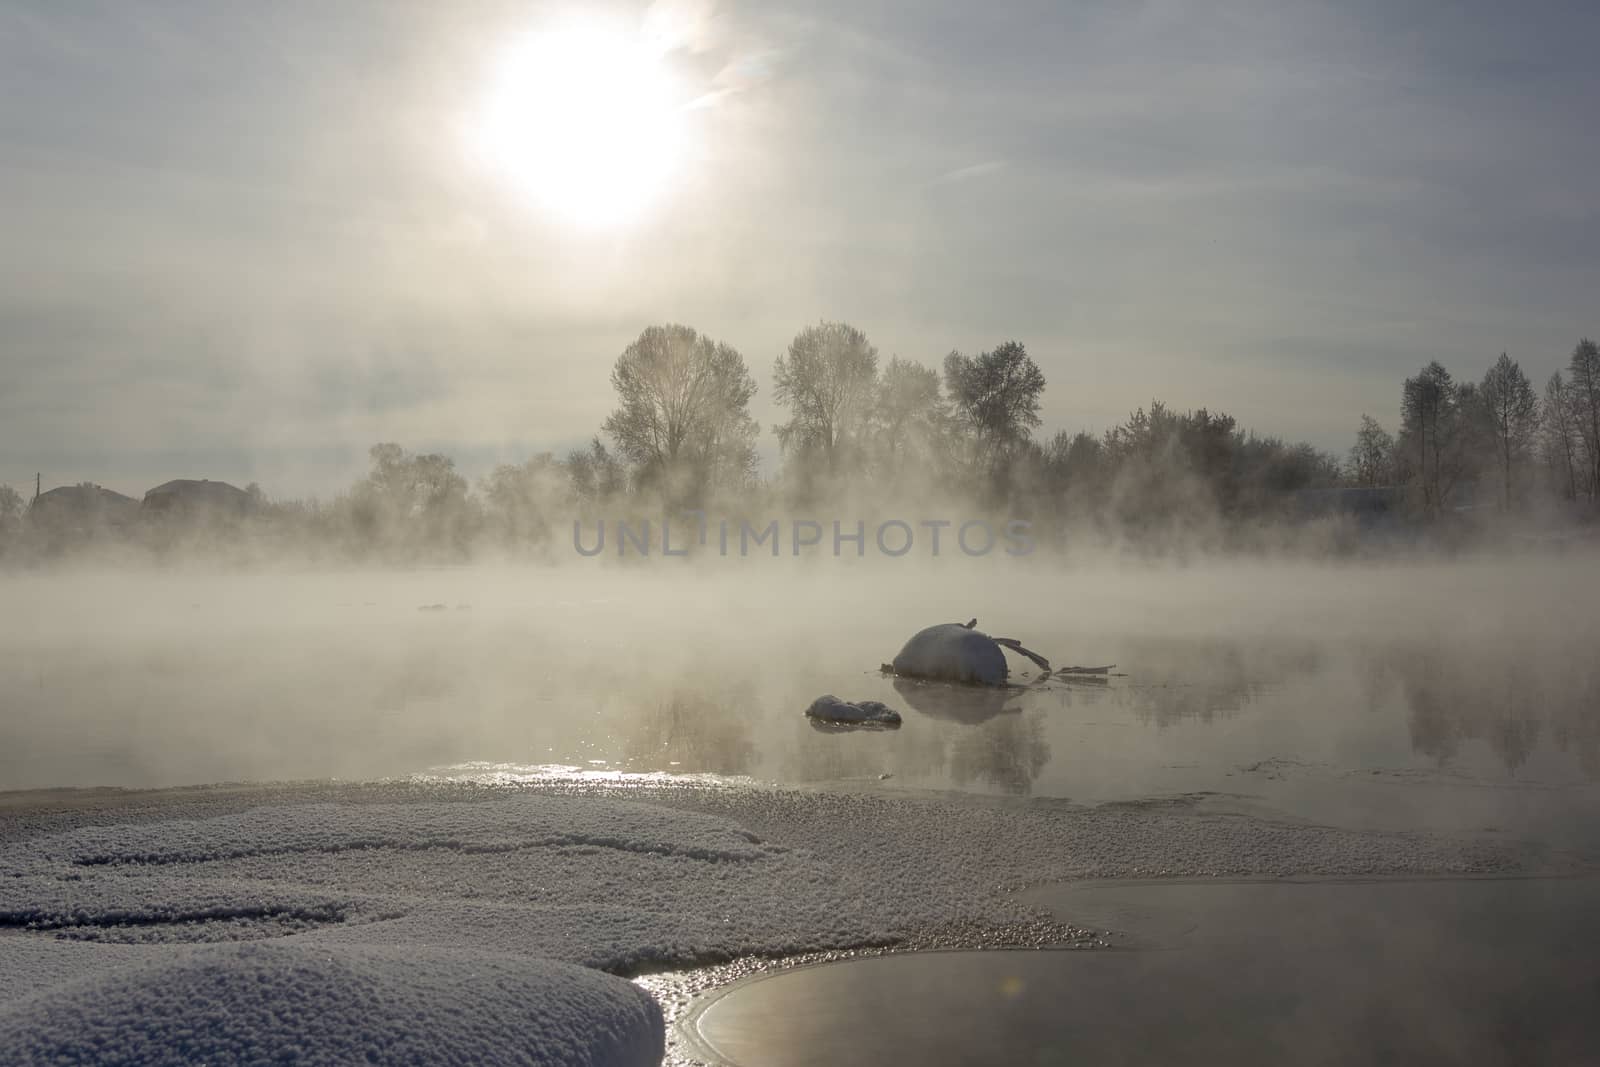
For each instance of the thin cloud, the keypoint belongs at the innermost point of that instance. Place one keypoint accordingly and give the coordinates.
(976, 170)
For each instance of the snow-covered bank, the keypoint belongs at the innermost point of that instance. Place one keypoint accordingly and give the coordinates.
(103, 904)
(322, 1004)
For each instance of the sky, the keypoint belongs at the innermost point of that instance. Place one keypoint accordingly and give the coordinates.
(245, 241)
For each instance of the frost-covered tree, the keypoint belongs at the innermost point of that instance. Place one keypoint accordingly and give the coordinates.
(521, 499)
(1583, 381)
(912, 420)
(1430, 433)
(683, 413)
(1372, 456)
(410, 503)
(1559, 438)
(1511, 413)
(594, 474)
(827, 380)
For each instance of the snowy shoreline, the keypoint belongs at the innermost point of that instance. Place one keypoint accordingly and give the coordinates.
(109, 897)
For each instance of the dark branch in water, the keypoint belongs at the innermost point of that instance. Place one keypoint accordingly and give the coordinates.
(1016, 646)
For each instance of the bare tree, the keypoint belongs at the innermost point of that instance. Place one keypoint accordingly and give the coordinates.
(413, 484)
(996, 398)
(683, 416)
(827, 380)
(1584, 385)
(412, 503)
(1372, 456)
(1512, 415)
(10, 509)
(912, 418)
(594, 474)
(1559, 437)
(520, 499)
(1469, 442)
(1428, 431)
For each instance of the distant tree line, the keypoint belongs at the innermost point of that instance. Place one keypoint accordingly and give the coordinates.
(1497, 437)
(860, 431)
(856, 431)
(854, 422)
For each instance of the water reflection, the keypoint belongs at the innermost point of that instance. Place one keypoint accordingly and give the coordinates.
(910, 753)
(1006, 754)
(315, 677)
(1472, 971)
(700, 730)
(1200, 715)
(970, 704)
(1205, 680)
(1505, 697)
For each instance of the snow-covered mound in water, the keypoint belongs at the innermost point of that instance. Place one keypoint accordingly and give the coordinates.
(951, 652)
(327, 1004)
(831, 709)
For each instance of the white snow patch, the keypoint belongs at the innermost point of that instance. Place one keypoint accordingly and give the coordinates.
(239, 1004)
(482, 887)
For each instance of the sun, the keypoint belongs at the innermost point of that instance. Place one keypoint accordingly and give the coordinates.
(585, 120)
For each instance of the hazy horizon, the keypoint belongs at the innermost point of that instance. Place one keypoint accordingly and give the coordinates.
(674, 502)
(245, 244)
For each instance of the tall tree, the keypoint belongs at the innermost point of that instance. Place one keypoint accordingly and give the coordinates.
(10, 509)
(1076, 472)
(1512, 413)
(1559, 440)
(594, 474)
(1372, 456)
(412, 502)
(912, 418)
(520, 498)
(410, 484)
(1428, 425)
(827, 380)
(1469, 441)
(996, 398)
(683, 415)
(1583, 372)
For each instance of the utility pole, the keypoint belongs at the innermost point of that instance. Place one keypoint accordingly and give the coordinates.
(36, 478)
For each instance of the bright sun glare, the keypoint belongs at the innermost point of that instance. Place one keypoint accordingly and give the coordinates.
(586, 121)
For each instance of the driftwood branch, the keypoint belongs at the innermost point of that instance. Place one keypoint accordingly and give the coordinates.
(1016, 646)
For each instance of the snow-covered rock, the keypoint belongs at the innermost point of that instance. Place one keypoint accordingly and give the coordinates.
(831, 709)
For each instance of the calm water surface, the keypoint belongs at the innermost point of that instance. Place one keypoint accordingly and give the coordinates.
(1465, 971)
(1465, 697)
(1460, 697)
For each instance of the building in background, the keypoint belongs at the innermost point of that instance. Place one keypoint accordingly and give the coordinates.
(191, 498)
(84, 509)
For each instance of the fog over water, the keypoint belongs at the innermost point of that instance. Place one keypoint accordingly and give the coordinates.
(469, 472)
(1457, 694)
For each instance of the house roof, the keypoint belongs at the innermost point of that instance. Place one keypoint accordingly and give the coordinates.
(199, 491)
(85, 502)
(83, 493)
